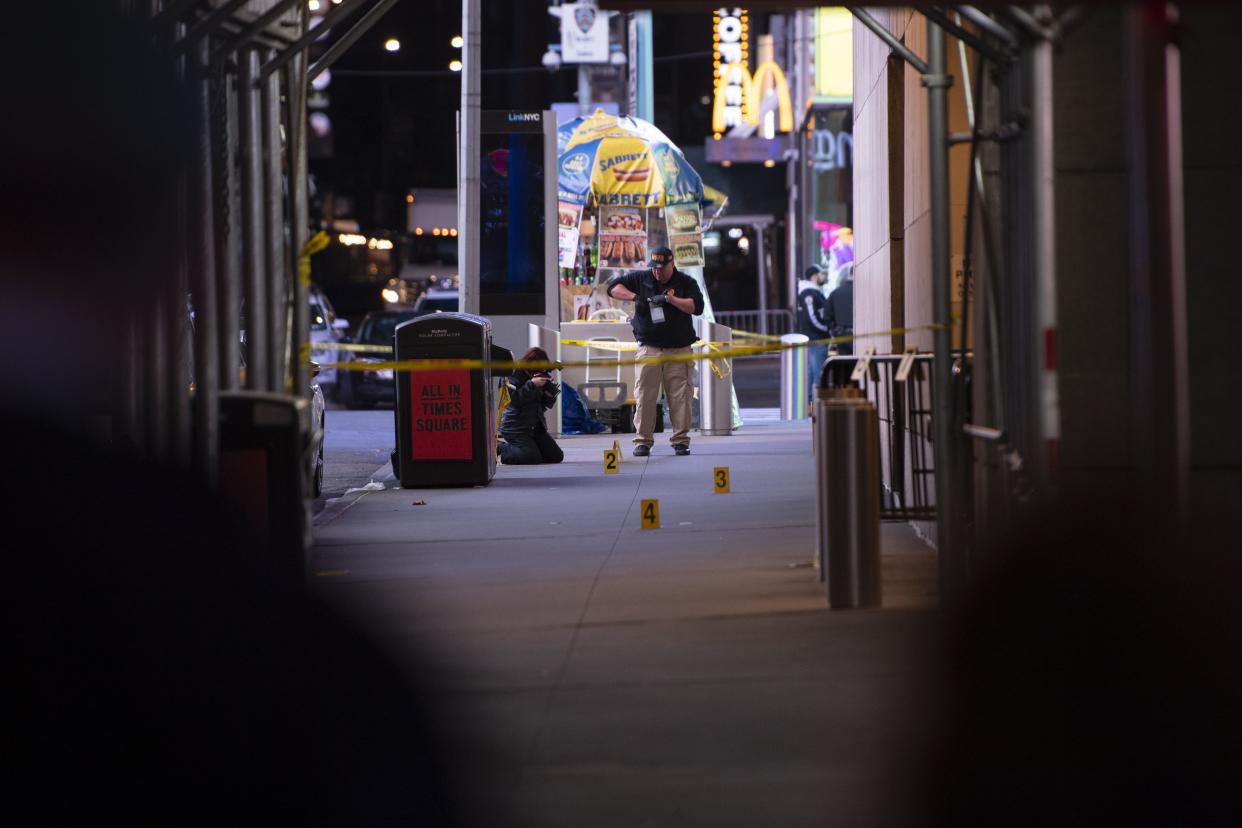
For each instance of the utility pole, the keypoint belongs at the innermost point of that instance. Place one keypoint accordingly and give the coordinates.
(468, 158)
(584, 89)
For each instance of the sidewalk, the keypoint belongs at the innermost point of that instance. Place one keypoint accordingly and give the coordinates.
(689, 675)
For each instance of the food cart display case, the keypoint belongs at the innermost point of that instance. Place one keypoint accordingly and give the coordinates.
(623, 188)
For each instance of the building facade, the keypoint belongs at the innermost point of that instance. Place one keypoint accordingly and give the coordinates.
(1120, 383)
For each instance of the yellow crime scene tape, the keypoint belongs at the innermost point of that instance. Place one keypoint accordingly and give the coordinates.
(316, 243)
(355, 348)
(313, 245)
(712, 362)
(738, 334)
(502, 402)
(714, 352)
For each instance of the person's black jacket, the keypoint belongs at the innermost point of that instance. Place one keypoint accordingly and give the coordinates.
(839, 310)
(527, 402)
(677, 329)
(811, 312)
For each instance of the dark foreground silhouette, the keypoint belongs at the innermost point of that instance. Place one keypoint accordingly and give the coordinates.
(1094, 678)
(157, 671)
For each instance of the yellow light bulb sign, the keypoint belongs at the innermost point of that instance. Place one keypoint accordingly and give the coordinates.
(650, 514)
(729, 109)
(720, 480)
(612, 463)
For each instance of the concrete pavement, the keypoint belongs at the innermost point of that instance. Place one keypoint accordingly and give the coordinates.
(590, 672)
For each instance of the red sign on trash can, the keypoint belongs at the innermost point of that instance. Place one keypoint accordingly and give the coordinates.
(440, 415)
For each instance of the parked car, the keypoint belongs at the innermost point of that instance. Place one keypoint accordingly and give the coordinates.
(365, 389)
(436, 300)
(326, 327)
(403, 292)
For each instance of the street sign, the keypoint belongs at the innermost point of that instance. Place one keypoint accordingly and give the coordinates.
(584, 33)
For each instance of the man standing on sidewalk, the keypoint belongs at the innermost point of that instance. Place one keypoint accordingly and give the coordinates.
(811, 322)
(664, 300)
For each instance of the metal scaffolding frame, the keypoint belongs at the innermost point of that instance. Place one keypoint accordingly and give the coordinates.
(1025, 412)
(950, 444)
(1018, 44)
(242, 205)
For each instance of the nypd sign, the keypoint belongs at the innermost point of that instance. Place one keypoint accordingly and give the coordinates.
(584, 33)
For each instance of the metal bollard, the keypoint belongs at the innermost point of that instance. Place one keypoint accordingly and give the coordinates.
(847, 486)
(794, 392)
(716, 393)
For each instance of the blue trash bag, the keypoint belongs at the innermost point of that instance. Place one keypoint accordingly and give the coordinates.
(575, 419)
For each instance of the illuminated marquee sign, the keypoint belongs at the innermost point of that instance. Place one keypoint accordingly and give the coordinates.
(739, 94)
(730, 48)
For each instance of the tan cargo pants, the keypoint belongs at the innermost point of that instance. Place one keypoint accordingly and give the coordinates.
(678, 390)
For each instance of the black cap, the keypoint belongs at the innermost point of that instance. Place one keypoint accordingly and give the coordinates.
(659, 257)
(812, 271)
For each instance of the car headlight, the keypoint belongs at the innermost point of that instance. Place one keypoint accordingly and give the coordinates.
(378, 373)
(391, 296)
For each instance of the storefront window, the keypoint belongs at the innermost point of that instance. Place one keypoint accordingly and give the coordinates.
(828, 148)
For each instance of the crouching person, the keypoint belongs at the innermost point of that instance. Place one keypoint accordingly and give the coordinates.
(524, 435)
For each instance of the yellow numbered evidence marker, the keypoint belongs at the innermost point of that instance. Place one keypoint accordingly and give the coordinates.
(651, 514)
(720, 479)
(612, 461)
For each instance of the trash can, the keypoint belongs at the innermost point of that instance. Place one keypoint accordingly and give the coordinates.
(446, 417)
(794, 393)
(847, 487)
(264, 440)
(716, 392)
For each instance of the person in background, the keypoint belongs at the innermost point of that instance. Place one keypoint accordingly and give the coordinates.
(839, 310)
(665, 299)
(811, 322)
(525, 437)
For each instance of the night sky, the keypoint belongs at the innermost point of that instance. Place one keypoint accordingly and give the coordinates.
(391, 134)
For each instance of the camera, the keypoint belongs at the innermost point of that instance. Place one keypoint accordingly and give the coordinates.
(550, 389)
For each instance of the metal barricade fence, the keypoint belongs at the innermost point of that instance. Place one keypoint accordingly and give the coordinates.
(900, 387)
(769, 322)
